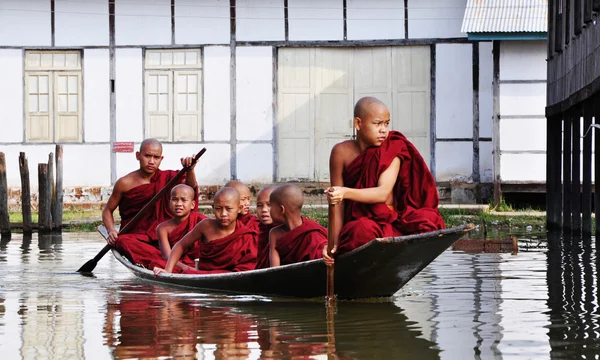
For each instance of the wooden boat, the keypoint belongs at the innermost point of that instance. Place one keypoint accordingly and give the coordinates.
(377, 269)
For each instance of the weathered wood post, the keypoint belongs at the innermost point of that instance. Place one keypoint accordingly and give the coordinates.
(596, 101)
(25, 194)
(567, 219)
(57, 208)
(44, 216)
(553, 173)
(51, 189)
(576, 172)
(586, 199)
(4, 219)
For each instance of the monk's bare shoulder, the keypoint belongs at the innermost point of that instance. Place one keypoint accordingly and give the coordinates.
(277, 231)
(128, 182)
(344, 152)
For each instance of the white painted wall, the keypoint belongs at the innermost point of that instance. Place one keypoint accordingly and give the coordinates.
(454, 91)
(486, 99)
(217, 84)
(84, 165)
(315, 20)
(435, 18)
(140, 22)
(523, 60)
(523, 134)
(522, 99)
(523, 167)
(212, 168)
(375, 19)
(255, 163)
(201, 22)
(453, 160)
(79, 23)
(128, 88)
(254, 93)
(260, 20)
(11, 95)
(96, 95)
(25, 23)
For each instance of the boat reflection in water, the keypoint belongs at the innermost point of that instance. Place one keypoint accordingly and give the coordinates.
(142, 323)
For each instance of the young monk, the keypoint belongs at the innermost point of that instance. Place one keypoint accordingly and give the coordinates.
(225, 244)
(297, 238)
(134, 190)
(381, 185)
(185, 218)
(245, 217)
(263, 210)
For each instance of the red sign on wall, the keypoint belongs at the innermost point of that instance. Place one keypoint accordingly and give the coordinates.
(124, 147)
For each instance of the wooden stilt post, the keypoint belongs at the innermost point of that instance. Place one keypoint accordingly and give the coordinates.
(4, 218)
(586, 199)
(596, 101)
(57, 208)
(576, 172)
(44, 216)
(51, 189)
(567, 219)
(553, 174)
(25, 194)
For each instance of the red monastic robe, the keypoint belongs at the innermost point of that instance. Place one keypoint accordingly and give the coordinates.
(139, 243)
(250, 221)
(306, 242)
(415, 195)
(262, 260)
(233, 253)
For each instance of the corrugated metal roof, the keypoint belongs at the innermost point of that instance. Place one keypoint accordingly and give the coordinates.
(505, 16)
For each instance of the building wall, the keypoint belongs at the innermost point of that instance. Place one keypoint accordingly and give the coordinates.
(239, 79)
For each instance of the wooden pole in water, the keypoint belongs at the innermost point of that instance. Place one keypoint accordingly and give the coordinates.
(44, 217)
(567, 218)
(586, 199)
(330, 243)
(52, 192)
(25, 194)
(57, 209)
(576, 172)
(4, 219)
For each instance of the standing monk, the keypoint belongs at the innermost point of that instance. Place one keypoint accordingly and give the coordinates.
(245, 217)
(134, 190)
(381, 183)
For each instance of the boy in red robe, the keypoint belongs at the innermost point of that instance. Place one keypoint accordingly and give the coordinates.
(381, 183)
(134, 190)
(263, 210)
(297, 238)
(186, 216)
(245, 217)
(225, 244)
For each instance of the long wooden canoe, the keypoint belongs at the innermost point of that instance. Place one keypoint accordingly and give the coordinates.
(377, 269)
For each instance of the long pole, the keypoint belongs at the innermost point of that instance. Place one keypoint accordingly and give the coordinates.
(330, 270)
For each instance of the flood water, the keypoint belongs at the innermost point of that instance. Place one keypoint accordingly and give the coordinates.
(466, 304)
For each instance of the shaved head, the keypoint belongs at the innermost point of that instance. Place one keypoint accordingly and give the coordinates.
(266, 191)
(227, 193)
(150, 143)
(289, 196)
(365, 105)
(238, 185)
(183, 188)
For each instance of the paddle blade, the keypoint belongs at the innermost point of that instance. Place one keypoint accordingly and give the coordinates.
(88, 267)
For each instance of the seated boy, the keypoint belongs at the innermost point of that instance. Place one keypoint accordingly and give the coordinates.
(225, 244)
(245, 217)
(183, 206)
(263, 210)
(297, 238)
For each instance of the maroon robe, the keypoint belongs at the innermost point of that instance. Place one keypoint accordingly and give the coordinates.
(250, 221)
(139, 244)
(233, 253)
(415, 195)
(306, 242)
(262, 260)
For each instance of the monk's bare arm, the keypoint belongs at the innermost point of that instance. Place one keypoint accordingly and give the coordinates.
(190, 175)
(379, 194)
(185, 243)
(162, 232)
(111, 205)
(336, 169)
(273, 254)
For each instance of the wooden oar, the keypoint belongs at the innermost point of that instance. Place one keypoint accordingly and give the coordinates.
(90, 265)
(330, 277)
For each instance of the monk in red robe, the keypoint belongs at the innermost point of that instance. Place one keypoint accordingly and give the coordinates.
(297, 238)
(263, 210)
(381, 183)
(245, 217)
(134, 190)
(225, 244)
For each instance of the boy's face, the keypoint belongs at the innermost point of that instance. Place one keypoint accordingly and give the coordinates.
(226, 210)
(150, 158)
(375, 126)
(276, 212)
(244, 200)
(182, 202)
(263, 207)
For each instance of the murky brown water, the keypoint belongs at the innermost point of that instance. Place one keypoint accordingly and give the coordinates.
(464, 305)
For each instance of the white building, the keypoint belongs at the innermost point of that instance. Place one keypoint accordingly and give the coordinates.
(267, 86)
